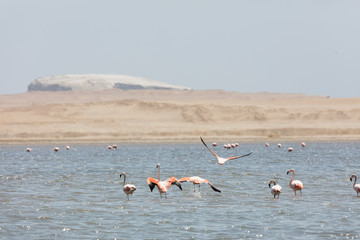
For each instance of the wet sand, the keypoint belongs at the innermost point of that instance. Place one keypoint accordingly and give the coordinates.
(118, 116)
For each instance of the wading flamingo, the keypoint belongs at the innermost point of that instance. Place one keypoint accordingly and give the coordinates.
(221, 160)
(127, 188)
(198, 180)
(355, 186)
(276, 189)
(162, 186)
(295, 185)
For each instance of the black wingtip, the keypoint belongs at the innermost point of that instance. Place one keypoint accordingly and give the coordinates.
(177, 183)
(215, 189)
(151, 186)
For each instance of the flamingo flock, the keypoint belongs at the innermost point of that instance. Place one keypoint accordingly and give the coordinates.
(164, 185)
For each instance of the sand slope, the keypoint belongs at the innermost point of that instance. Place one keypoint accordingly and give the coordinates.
(175, 115)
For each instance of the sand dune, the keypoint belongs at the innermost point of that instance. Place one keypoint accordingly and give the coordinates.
(175, 116)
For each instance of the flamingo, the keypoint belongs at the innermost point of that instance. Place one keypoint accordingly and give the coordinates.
(276, 189)
(355, 186)
(127, 188)
(295, 185)
(162, 186)
(198, 180)
(221, 160)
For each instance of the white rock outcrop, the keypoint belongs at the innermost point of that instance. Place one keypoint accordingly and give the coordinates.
(79, 82)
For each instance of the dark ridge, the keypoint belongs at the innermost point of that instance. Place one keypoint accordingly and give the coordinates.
(52, 87)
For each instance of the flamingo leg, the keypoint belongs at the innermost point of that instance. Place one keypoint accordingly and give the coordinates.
(194, 187)
(128, 197)
(199, 187)
(300, 193)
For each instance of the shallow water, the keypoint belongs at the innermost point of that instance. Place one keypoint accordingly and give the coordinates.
(77, 194)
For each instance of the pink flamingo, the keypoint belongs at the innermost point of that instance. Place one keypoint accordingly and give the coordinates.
(355, 186)
(198, 180)
(221, 160)
(127, 188)
(276, 189)
(162, 186)
(295, 185)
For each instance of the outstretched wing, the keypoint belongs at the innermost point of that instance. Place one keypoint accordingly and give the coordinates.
(208, 147)
(176, 182)
(152, 182)
(213, 188)
(231, 158)
(184, 179)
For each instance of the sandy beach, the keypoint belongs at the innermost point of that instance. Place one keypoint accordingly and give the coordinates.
(118, 116)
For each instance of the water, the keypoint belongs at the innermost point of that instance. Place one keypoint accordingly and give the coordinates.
(77, 194)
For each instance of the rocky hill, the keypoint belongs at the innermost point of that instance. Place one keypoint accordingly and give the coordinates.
(97, 82)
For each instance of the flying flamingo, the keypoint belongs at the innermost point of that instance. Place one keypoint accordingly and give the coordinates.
(355, 186)
(127, 188)
(162, 186)
(198, 180)
(276, 189)
(221, 160)
(295, 185)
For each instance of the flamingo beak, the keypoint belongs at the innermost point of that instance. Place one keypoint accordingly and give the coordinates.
(269, 185)
(287, 173)
(351, 179)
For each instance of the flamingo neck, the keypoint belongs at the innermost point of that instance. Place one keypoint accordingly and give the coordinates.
(293, 176)
(355, 181)
(159, 173)
(124, 180)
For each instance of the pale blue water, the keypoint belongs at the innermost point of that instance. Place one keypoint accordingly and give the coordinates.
(77, 194)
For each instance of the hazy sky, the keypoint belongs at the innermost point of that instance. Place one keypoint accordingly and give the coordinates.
(303, 46)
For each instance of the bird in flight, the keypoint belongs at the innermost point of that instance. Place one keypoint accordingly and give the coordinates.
(222, 160)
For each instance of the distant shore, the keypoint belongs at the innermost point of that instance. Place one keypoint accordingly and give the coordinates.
(175, 116)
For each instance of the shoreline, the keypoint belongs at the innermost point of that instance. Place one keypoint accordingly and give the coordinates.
(189, 140)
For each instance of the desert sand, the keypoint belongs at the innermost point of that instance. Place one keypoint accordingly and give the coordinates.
(154, 116)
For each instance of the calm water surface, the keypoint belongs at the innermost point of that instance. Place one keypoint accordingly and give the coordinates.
(77, 194)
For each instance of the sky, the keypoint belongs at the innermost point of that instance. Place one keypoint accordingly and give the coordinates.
(307, 46)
